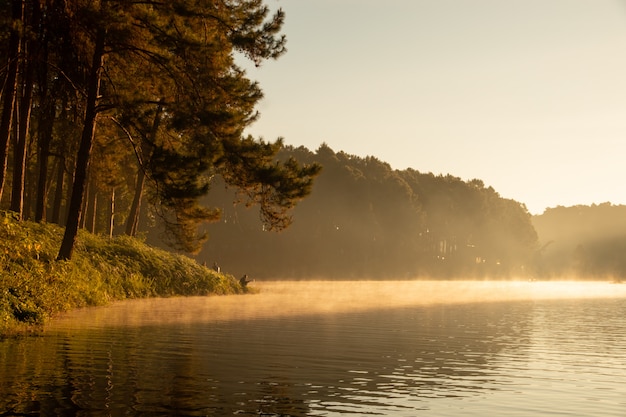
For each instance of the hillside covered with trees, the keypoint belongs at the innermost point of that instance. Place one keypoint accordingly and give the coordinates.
(367, 220)
(364, 219)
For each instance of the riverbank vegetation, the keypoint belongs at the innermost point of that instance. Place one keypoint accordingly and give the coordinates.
(34, 286)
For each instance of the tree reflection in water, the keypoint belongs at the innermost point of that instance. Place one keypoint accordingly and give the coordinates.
(392, 361)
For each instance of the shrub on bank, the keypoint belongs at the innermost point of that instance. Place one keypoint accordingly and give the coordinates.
(34, 285)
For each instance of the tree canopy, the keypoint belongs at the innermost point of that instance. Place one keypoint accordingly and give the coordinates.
(364, 219)
(152, 90)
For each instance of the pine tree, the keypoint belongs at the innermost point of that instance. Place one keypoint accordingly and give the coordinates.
(163, 75)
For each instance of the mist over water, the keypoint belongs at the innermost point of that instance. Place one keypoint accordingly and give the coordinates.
(339, 349)
(288, 298)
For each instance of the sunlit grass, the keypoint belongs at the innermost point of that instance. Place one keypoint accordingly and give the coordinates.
(34, 286)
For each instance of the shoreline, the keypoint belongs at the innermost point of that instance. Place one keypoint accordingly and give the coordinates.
(35, 287)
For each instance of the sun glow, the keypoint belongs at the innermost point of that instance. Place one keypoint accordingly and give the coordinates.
(301, 298)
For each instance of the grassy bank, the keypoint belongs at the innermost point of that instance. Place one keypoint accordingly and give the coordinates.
(34, 286)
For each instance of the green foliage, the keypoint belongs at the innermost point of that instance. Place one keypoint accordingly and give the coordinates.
(252, 167)
(182, 61)
(34, 287)
(149, 92)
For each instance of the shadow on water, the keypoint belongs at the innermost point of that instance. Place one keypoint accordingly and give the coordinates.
(382, 361)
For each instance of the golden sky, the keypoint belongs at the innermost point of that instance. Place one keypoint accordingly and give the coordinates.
(527, 95)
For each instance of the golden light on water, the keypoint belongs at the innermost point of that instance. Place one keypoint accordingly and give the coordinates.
(280, 299)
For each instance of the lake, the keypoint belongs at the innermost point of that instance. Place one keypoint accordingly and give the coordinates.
(402, 348)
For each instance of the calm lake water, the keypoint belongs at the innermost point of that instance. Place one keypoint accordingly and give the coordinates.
(406, 348)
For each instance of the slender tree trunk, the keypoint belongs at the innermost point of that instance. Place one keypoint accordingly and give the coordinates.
(90, 208)
(19, 158)
(85, 208)
(133, 216)
(112, 213)
(58, 192)
(67, 191)
(146, 150)
(8, 102)
(43, 152)
(30, 49)
(84, 151)
(94, 212)
(44, 137)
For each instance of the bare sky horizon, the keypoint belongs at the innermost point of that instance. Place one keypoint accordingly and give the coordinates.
(527, 95)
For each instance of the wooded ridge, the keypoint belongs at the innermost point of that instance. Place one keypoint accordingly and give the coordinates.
(364, 219)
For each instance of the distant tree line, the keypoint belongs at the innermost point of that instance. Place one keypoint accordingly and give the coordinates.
(582, 242)
(105, 104)
(364, 219)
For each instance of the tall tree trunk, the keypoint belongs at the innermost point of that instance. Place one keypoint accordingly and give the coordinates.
(44, 137)
(146, 151)
(94, 212)
(112, 213)
(91, 207)
(58, 192)
(19, 156)
(44, 134)
(133, 215)
(84, 150)
(8, 102)
(67, 191)
(85, 208)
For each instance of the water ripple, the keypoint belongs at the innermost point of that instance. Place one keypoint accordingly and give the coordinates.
(517, 357)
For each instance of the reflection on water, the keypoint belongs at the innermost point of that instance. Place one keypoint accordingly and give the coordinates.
(400, 349)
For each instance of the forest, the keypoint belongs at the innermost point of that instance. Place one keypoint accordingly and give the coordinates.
(111, 107)
(364, 219)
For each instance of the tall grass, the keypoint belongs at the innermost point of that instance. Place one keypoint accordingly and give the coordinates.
(34, 286)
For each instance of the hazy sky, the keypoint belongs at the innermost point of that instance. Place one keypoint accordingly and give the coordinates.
(527, 95)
